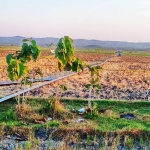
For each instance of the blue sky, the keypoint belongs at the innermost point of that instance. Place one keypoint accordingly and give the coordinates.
(114, 20)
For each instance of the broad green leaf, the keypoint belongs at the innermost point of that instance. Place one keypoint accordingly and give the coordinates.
(9, 68)
(13, 61)
(67, 67)
(75, 66)
(56, 51)
(34, 50)
(98, 67)
(60, 66)
(33, 43)
(20, 69)
(65, 53)
(11, 76)
(87, 86)
(61, 58)
(23, 59)
(97, 86)
(8, 58)
(25, 47)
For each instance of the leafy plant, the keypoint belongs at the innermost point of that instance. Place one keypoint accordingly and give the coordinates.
(66, 58)
(93, 81)
(95, 108)
(9, 115)
(17, 68)
(66, 61)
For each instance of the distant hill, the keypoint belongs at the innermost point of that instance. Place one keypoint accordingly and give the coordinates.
(79, 43)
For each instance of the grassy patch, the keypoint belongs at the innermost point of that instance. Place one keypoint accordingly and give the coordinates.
(110, 119)
(106, 120)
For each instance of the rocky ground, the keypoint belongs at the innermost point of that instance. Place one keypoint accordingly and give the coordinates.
(44, 141)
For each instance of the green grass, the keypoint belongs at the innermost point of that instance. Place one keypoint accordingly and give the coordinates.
(15, 48)
(112, 122)
(141, 53)
(104, 122)
(93, 51)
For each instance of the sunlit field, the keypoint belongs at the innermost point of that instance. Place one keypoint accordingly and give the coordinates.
(120, 108)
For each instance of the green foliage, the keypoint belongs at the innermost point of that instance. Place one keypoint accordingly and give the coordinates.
(48, 106)
(52, 124)
(29, 50)
(28, 145)
(68, 62)
(93, 84)
(88, 86)
(77, 65)
(95, 108)
(9, 115)
(8, 58)
(16, 62)
(129, 141)
(94, 70)
(63, 87)
(15, 69)
(65, 54)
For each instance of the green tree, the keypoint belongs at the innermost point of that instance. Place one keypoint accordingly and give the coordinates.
(68, 62)
(17, 63)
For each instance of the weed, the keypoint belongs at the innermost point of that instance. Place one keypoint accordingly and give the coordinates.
(28, 145)
(129, 141)
(52, 124)
(9, 115)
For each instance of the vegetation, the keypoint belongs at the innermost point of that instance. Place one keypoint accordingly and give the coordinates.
(63, 115)
(17, 63)
(106, 116)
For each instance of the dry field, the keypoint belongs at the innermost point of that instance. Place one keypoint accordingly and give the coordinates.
(126, 77)
(121, 78)
(47, 63)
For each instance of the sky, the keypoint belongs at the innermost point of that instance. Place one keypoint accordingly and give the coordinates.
(110, 20)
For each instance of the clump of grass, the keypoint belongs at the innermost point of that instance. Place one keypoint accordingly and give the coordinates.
(52, 107)
(28, 145)
(129, 141)
(23, 109)
(52, 124)
(9, 115)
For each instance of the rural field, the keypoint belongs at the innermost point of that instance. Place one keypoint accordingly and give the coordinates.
(120, 113)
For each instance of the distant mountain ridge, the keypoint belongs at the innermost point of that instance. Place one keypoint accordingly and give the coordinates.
(82, 43)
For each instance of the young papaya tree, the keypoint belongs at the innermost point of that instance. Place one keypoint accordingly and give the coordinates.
(94, 71)
(68, 62)
(17, 63)
(66, 59)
